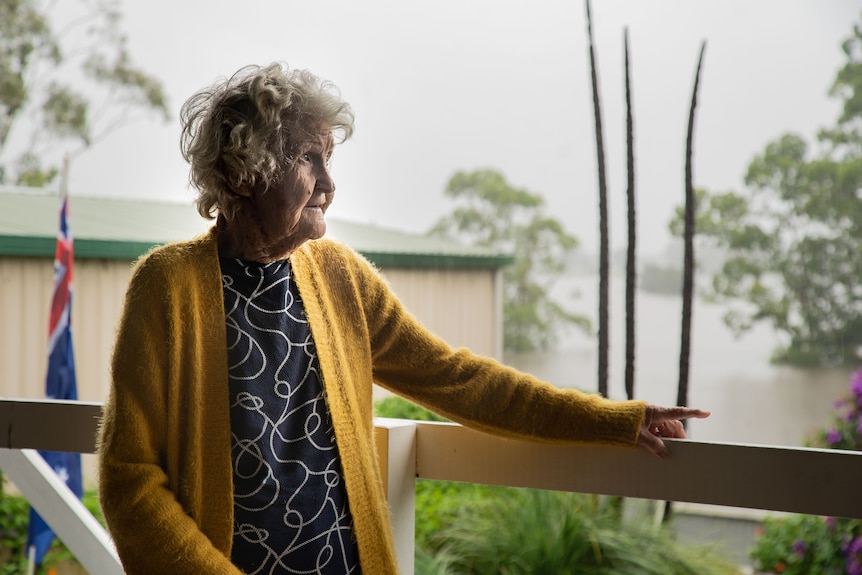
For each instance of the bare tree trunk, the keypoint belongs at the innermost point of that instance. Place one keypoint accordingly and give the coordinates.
(631, 261)
(604, 265)
(688, 263)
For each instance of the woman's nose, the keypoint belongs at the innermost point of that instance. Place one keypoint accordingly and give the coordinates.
(325, 181)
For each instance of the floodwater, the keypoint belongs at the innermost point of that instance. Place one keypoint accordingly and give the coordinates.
(751, 400)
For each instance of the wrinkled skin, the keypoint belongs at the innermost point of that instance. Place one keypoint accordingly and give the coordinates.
(270, 224)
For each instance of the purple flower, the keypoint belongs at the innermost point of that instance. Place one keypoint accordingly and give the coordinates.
(854, 553)
(799, 547)
(833, 437)
(830, 522)
(856, 384)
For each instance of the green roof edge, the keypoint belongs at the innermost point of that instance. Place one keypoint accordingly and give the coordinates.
(36, 246)
(446, 261)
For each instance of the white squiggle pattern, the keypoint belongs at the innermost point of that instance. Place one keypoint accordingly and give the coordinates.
(290, 505)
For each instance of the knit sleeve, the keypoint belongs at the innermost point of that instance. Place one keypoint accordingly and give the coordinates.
(477, 391)
(151, 530)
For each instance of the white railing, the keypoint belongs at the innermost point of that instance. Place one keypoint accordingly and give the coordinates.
(814, 481)
(28, 425)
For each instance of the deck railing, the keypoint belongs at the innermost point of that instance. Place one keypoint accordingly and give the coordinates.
(814, 481)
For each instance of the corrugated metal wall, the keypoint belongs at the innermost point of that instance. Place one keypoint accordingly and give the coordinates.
(460, 306)
(25, 298)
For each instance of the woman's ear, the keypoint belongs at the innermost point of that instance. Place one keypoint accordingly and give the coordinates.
(242, 190)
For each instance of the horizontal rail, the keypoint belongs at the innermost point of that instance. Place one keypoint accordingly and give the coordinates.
(812, 481)
(49, 424)
(801, 480)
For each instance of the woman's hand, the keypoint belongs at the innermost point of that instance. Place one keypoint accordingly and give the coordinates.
(662, 422)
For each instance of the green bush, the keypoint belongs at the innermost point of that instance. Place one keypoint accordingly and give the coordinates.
(804, 544)
(14, 518)
(399, 408)
(526, 531)
(439, 503)
(14, 521)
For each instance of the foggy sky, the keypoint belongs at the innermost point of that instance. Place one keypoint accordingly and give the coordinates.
(462, 85)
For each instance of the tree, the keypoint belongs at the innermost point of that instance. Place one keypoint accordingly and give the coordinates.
(66, 81)
(794, 238)
(493, 214)
(604, 234)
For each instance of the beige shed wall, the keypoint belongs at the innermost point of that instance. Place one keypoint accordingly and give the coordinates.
(97, 298)
(460, 306)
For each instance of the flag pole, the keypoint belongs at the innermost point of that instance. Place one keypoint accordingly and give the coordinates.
(60, 381)
(31, 560)
(64, 178)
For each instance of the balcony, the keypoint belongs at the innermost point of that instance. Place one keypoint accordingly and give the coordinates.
(812, 481)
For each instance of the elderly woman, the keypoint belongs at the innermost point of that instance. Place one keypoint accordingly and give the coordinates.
(238, 433)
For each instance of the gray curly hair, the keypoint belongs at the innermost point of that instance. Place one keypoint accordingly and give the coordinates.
(242, 130)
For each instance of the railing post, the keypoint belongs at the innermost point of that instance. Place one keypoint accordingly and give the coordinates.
(60, 508)
(396, 448)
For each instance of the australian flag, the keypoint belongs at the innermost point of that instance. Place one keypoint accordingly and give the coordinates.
(60, 382)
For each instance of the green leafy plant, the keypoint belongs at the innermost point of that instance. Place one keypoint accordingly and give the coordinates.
(14, 520)
(400, 408)
(525, 531)
(802, 544)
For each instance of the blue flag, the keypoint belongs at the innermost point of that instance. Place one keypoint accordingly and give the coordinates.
(60, 381)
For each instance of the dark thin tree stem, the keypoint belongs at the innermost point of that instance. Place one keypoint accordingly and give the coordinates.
(631, 262)
(603, 221)
(688, 263)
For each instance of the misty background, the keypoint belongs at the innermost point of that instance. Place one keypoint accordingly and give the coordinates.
(505, 85)
(462, 85)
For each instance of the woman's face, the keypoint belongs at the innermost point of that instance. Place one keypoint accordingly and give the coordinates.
(292, 210)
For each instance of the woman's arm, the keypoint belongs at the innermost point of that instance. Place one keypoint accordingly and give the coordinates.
(151, 529)
(478, 391)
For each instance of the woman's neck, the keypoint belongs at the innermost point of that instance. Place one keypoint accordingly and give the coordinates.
(243, 239)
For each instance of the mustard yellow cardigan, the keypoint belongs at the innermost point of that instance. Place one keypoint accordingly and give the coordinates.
(164, 457)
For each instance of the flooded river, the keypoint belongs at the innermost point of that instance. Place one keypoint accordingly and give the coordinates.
(751, 400)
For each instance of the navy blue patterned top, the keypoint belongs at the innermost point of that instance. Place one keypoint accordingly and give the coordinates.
(291, 513)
